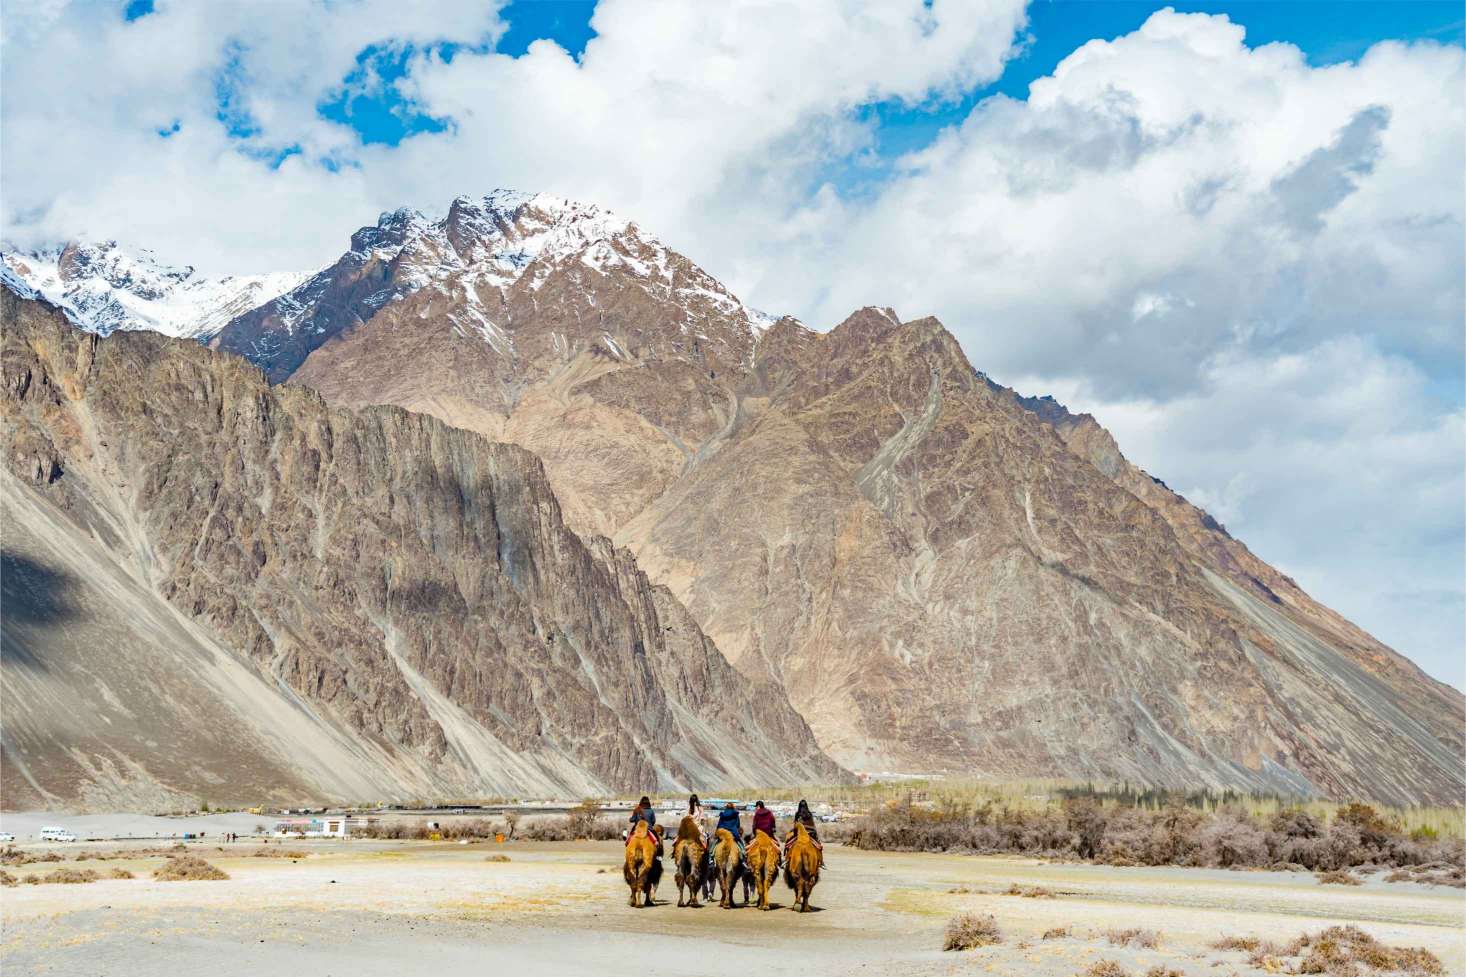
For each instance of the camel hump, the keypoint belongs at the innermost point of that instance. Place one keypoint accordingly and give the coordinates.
(760, 833)
(688, 828)
(640, 830)
(800, 831)
(724, 835)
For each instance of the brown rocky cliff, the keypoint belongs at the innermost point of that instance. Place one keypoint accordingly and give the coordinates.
(411, 580)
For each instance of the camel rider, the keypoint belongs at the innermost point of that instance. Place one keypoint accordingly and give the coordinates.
(763, 820)
(728, 821)
(644, 812)
(803, 815)
(698, 815)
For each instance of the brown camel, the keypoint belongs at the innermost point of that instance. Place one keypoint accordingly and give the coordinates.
(643, 869)
(691, 859)
(763, 865)
(726, 861)
(801, 866)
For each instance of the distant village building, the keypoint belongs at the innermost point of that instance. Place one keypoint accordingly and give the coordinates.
(325, 826)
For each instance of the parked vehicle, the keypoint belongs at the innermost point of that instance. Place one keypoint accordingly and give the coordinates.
(6, 836)
(56, 834)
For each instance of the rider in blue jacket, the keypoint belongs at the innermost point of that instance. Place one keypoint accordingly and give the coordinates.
(728, 820)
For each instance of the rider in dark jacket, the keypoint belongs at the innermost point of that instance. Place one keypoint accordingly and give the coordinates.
(644, 812)
(763, 820)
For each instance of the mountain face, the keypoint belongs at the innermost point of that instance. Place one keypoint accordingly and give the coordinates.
(942, 575)
(102, 288)
(219, 589)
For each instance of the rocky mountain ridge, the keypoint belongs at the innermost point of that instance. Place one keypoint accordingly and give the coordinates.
(943, 576)
(363, 605)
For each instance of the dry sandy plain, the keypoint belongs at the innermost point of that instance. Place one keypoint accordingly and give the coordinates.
(365, 908)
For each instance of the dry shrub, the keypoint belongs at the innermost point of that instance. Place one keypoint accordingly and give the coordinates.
(1105, 968)
(119, 873)
(1160, 970)
(1339, 951)
(961, 890)
(1029, 891)
(64, 876)
(496, 858)
(571, 827)
(14, 856)
(1337, 878)
(7, 879)
(1057, 933)
(1148, 939)
(1174, 834)
(188, 868)
(970, 930)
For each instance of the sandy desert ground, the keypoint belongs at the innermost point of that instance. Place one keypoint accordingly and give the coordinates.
(368, 908)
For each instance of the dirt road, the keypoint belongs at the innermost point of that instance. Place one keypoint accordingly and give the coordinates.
(402, 908)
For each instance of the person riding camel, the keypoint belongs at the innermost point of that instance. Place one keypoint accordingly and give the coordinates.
(763, 820)
(805, 817)
(644, 812)
(698, 814)
(728, 820)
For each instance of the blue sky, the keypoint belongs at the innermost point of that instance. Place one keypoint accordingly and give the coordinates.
(1328, 32)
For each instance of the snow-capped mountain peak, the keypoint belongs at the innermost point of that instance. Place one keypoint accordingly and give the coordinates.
(102, 288)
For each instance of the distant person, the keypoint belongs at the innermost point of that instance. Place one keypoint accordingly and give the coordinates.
(763, 820)
(728, 821)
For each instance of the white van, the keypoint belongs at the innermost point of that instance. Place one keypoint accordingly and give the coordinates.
(56, 834)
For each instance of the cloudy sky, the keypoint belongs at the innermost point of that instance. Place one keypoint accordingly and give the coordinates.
(1232, 231)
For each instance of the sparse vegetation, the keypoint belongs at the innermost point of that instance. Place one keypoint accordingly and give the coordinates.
(1057, 933)
(1105, 968)
(7, 879)
(496, 858)
(970, 930)
(1227, 837)
(1339, 951)
(63, 876)
(188, 868)
(15, 856)
(119, 873)
(1337, 878)
(1028, 891)
(1143, 938)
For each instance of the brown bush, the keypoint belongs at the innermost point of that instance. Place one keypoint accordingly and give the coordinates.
(119, 873)
(1148, 939)
(64, 876)
(1339, 951)
(1244, 943)
(15, 856)
(496, 858)
(7, 879)
(1057, 933)
(1105, 968)
(1028, 891)
(570, 827)
(970, 930)
(1337, 878)
(187, 868)
(1169, 835)
(1162, 971)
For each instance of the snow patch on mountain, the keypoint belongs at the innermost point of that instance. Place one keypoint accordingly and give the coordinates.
(103, 288)
(496, 240)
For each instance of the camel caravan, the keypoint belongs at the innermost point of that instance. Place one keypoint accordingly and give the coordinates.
(726, 859)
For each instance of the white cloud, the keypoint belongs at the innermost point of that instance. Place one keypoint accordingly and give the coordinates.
(1249, 267)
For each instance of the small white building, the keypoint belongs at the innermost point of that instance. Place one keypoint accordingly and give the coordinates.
(322, 826)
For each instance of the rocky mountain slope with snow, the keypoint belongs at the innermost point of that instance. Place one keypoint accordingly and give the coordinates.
(217, 589)
(102, 288)
(943, 576)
